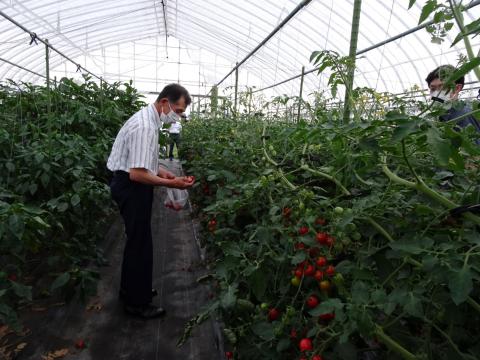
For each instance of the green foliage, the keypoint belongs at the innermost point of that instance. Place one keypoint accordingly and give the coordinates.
(407, 273)
(54, 197)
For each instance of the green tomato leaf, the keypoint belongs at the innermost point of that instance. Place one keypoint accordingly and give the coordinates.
(429, 7)
(229, 298)
(60, 281)
(299, 257)
(326, 307)
(258, 283)
(264, 330)
(460, 285)
(75, 200)
(22, 291)
(439, 147)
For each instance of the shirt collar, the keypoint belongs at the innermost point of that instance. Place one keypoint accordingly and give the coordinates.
(156, 115)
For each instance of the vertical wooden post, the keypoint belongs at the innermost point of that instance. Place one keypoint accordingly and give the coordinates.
(301, 93)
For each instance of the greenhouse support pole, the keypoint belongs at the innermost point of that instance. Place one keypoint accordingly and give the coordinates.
(357, 9)
(47, 73)
(301, 93)
(236, 92)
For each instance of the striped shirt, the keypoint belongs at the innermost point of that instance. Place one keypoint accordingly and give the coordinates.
(136, 144)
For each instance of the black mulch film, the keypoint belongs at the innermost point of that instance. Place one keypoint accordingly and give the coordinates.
(110, 334)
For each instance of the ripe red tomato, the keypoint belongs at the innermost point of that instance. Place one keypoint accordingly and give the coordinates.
(317, 357)
(293, 333)
(318, 275)
(320, 221)
(303, 230)
(322, 237)
(330, 241)
(327, 317)
(298, 273)
(312, 301)
(229, 354)
(313, 252)
(330, 270)
(309, 270)
(299, 246)
(273, 314)
(306, 345)
(80, 344)
(321, 261)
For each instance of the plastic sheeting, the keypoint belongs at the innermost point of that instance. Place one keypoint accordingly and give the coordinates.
(197, 42)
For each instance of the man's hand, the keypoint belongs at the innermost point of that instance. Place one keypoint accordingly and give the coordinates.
(165, 174)
(182, 182)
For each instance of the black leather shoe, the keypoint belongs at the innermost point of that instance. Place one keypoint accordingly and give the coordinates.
(121, 293)
(145, 311)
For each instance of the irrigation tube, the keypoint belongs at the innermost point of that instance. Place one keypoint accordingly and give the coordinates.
(389, 40)
(35, 37)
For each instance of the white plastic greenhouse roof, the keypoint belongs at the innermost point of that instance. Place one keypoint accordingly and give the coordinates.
(197, 42)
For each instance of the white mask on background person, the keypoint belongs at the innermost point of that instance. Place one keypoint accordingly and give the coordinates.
(441, 96)
(169, 118)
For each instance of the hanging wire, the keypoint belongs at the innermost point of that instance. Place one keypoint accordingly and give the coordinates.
(34, 38)
(384, 47)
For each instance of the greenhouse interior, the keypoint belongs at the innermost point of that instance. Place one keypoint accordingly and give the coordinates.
(247, 180)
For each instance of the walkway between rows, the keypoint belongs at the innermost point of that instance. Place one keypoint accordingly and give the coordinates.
(110, 334)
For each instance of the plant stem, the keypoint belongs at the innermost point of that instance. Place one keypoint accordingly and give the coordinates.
(404, 152)
(274, 163)
(326, 176)
(380, 229)
(422, 187)
(473, 304)
(450, 341)
(468, 46)
(393, 345)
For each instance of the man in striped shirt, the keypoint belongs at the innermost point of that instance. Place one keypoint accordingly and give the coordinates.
(134, 163)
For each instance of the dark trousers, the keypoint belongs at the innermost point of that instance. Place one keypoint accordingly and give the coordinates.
(135, 202)
(174, 140)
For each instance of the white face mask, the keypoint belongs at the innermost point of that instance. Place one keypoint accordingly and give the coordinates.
(441, 96)
(169, 118)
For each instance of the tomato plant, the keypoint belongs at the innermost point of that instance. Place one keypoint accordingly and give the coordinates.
(54, 198)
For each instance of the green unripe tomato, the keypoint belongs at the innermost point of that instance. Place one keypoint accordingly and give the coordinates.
(338, 210)
(264, 306)
(295, 281)
(351, 227)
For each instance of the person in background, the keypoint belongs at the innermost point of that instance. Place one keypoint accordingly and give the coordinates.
(136, 171)
(443, 94)
(174, 130)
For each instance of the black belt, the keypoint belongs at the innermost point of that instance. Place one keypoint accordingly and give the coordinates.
(120, 173)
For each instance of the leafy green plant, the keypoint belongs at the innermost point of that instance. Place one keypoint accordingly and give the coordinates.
(54, 197)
